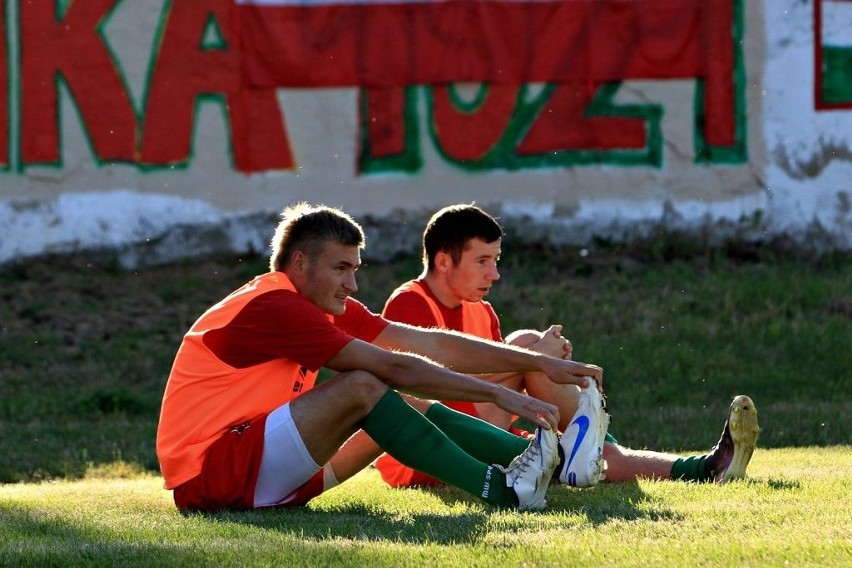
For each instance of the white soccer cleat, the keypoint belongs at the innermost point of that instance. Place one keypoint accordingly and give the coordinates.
(583, 440)
(530, 473)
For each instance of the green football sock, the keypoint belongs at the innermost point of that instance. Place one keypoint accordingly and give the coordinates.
(480, 439)
(412, 439)
(690, 469)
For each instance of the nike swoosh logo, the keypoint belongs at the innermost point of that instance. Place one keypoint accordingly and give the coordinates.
(582, 423)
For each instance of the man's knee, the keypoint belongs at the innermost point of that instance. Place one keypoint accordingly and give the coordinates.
(523, 337)
(364, 388)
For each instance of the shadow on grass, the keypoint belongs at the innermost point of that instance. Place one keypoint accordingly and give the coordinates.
(30, 538)
(34, 538)
(609, 502)
(357, 522)
(363, 522)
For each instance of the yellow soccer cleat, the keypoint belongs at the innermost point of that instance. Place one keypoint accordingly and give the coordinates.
(729, 458)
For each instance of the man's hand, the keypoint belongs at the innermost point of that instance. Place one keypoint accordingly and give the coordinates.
(537, 411)
(567, 372)
(552, 343)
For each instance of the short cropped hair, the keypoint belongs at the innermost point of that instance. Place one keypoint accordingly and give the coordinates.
(451, 228)
(306, 227)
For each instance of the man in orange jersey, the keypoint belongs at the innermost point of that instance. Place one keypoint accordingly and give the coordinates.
(461, 249)
(242, 424)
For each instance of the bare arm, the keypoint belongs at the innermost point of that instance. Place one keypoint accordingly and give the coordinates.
(410, 372)
(550, 342)
(469, 354)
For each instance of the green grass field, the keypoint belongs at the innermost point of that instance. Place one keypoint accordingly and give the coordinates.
(793, 511)
(85, 350)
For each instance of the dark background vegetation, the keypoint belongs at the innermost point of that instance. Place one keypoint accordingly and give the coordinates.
(85, 347)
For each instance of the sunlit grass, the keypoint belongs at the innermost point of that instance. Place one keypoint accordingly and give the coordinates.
(793, 510)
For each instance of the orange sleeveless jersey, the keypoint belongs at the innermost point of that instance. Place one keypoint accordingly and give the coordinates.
(205, 397)
(477, 320)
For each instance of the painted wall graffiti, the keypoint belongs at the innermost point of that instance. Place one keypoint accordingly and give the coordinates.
(581, 50)
(131, 122)
(65, 48)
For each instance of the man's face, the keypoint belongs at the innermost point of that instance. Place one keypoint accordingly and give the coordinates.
(472, 277)
(328, 276)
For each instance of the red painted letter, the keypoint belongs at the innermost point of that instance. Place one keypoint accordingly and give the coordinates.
(186, 70)
(73, 49)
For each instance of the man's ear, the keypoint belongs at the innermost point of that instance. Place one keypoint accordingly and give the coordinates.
(299, 261)
(443, 262)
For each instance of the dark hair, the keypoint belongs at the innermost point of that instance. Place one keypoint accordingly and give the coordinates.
(304, 227)
(451, 228)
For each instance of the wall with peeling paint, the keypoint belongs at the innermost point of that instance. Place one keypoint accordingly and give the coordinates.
(808, 173)
(788, 175)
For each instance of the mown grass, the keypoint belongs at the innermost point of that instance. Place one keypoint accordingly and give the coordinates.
(793, 511)
(86, 348)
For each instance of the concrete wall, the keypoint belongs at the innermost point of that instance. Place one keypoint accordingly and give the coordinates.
(144, 155)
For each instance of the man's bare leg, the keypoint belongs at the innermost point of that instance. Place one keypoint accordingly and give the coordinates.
(624, 464)
(329, 414)
(360, 450)
(565, 397)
